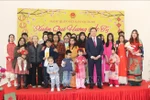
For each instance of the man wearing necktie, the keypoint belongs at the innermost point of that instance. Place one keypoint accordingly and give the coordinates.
(94, 49)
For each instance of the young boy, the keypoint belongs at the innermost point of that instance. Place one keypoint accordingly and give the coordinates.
(47, 52)
(67, 64)
(52, 70)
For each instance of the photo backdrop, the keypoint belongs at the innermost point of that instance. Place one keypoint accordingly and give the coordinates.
(35, 21)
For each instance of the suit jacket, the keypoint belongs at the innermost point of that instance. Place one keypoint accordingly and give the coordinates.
(52, 54)
(92, 50)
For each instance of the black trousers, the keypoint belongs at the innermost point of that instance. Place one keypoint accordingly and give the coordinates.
(91, 71)
(34, 67)
(19, 79)
(29, 77)
(46, 76)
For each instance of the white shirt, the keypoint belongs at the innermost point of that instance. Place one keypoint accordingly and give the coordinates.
(94, 40)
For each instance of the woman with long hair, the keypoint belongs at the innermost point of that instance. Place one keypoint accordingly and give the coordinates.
(121, 52)
(135, 60)
(73, 48)
(107, 53)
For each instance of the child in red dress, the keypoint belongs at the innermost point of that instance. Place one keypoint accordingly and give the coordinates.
(10, 75)
(80, 63)
(21, 67)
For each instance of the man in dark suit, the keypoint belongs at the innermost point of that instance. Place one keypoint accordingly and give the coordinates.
(94, 49)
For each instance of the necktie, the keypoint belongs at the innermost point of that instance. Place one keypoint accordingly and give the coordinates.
(94, 41)
(50, 66)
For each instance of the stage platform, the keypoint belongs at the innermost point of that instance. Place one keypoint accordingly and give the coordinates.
(107, 93)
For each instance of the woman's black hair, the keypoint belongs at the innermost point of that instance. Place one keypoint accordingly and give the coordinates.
(101, 35)
(9, 37)
(68, 33)
(89, 35)
(50, 33)
(65, 36)
(57, 36)
(59, 32)
(80, 42)
(74, 34)
(137, 38)
(119, 39)
(107, 43)
(75, 42)
(20, 40)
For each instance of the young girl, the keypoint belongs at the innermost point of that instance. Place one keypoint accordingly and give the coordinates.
(113, 73)
(80, 63)
(73, 48)
(21, 67)
(10, 51)
(121, 51)
(107, 52)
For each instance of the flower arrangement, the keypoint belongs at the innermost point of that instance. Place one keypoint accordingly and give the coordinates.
(2, 75)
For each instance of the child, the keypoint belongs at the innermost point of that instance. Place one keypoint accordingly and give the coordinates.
(80, 63)
(47, 52)
(21, 67)
(132, 48)
(67, 64)
(113, 74)
(9, 59)
(52, 70)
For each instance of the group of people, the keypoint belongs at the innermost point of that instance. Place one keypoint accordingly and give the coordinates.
(74, 60)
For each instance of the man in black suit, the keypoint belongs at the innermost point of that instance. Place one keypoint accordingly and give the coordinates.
(94, 49)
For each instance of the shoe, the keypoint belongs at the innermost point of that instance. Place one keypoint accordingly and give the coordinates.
(58, 89)
(116, 85)
(100, 87)
(64, 88)
(33, 86)
(18, 87)
(45, 87)
(15, 84)
(69, 87)
(110, 85)
(91, 87)
(52, 89)
(83, 87)
(9, 84)
(25, 87)
(39, 86)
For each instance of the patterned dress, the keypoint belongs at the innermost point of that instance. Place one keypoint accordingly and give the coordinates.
(114, 67)
(135, 64)
(10, 57)
(80, 63)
